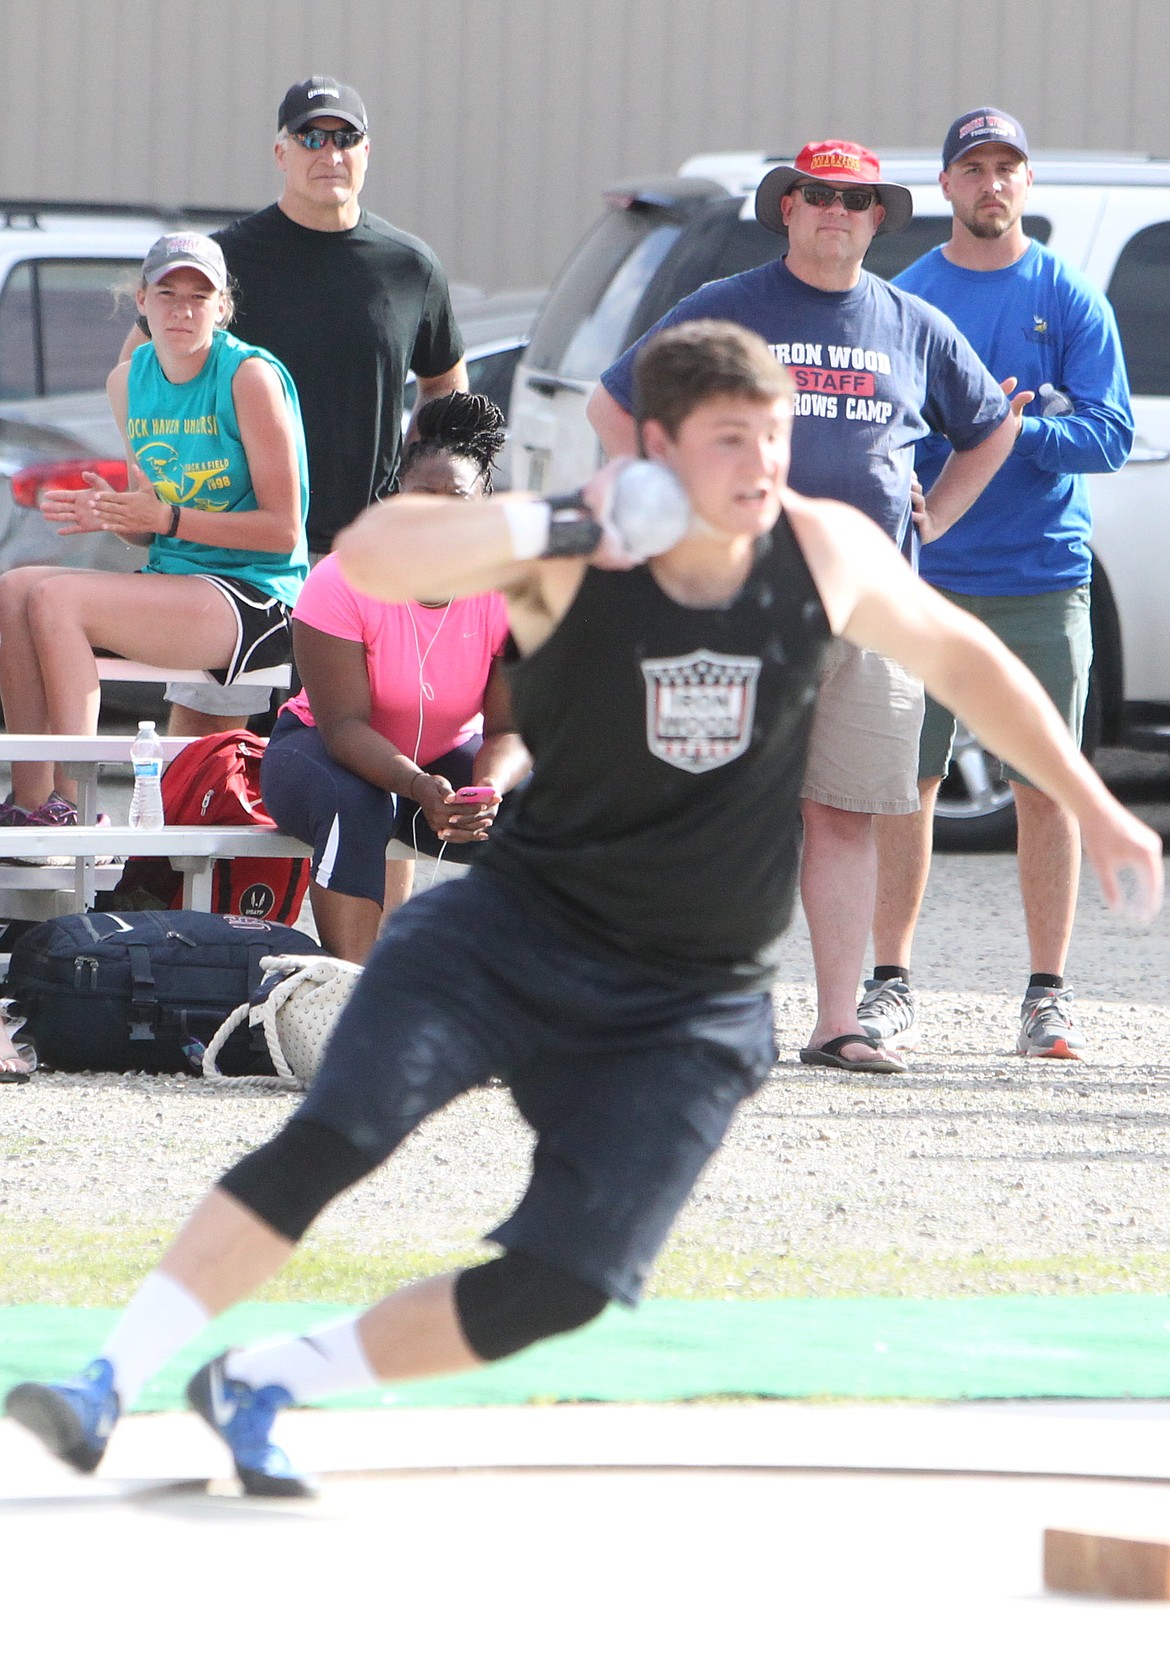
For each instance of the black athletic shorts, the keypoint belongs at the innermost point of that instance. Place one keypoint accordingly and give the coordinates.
(629, 1083)
(263, 634)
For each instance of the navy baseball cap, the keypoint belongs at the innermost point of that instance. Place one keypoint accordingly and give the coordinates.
(320, 95)
(983, 126)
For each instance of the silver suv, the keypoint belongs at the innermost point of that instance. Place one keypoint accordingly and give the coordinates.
(662, 238)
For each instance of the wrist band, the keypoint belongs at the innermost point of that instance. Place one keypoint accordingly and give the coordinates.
(573, 531)
(528, 525)
(563, 526)
(174, 529)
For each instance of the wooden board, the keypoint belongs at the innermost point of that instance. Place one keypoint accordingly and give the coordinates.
(1117, 1567)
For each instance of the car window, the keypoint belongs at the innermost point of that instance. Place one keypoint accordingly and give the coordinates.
(890, 254)
(491, 375)
(19, 339)
(717, 243)
(61, 324)
(1140, 295)
(584, 323)
(720, 243)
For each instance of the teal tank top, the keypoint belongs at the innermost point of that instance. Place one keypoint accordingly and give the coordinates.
(186, 439)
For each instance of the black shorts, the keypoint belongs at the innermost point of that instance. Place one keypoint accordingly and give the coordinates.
(263, 634)
(629, 1083)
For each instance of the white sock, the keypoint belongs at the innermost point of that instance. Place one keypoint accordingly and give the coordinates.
(328, 1359)
(162, 1317)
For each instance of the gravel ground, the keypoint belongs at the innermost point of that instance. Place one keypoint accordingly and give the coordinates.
(977, 1170)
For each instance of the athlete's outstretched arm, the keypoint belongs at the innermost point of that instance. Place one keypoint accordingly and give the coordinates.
(874, 599)
(425, 547)
(415, 546)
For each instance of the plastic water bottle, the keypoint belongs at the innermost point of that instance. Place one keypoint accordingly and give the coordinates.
(1054, 401)
(146, 807)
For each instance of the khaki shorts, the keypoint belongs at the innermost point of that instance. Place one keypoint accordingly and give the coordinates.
(1051, 634)
(863, 752)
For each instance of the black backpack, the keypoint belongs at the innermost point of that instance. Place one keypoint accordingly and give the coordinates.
(146, 990)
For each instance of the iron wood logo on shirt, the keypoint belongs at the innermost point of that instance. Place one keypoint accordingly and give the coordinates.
(700, 708)
(834, 380)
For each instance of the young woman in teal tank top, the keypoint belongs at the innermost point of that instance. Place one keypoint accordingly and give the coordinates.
(218, 492)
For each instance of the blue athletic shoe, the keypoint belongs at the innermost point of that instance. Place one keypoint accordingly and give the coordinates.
(243, 1417)
(73, 1419)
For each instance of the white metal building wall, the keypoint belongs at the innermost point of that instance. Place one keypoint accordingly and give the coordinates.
(496, 122)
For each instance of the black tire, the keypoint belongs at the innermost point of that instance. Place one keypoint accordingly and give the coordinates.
(975, 810)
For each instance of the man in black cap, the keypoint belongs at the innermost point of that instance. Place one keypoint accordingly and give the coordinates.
(1020, 558)
(349, 304)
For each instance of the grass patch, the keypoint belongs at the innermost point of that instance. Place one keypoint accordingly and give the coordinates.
(696, 1272)
(15, 1146)
(48, 1263)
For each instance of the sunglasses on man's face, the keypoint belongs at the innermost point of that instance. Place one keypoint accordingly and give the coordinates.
(823, 195)
(316, 138)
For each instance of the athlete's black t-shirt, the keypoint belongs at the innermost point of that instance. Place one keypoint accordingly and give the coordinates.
(661, 821)
(348, 312)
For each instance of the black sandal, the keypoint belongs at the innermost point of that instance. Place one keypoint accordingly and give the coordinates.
(829, 1054)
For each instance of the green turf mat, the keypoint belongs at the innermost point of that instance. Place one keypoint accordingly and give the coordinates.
(1010, 1346)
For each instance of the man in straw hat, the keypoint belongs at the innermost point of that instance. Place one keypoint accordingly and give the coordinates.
(875, 371)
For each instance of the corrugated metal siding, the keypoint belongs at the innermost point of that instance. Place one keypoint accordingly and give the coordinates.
(497, 122)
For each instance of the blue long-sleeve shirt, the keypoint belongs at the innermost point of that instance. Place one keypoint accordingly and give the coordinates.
(1042, 322)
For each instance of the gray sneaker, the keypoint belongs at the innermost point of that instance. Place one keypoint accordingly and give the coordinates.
(1048, 1029)
(887, 1012)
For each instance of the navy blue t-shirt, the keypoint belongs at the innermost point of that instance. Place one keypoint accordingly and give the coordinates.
(876, 369)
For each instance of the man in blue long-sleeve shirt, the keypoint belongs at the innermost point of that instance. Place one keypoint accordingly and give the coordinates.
(1019, 558)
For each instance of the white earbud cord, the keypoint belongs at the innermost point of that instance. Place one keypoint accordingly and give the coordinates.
(426, 693)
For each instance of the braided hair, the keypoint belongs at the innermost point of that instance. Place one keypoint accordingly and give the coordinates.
(461, 423)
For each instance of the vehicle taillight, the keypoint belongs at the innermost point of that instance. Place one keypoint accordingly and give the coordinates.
(30, 483)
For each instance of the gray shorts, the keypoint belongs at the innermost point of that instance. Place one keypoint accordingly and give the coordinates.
(1051, 634)
(863, 751)
(237, 700)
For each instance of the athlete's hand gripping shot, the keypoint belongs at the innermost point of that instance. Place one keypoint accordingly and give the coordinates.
(610, 955)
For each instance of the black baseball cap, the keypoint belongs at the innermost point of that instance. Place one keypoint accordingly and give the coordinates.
(320, 95)
(983, 126)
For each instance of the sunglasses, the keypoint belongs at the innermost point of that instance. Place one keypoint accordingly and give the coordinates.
(316, 138)
(822, 195)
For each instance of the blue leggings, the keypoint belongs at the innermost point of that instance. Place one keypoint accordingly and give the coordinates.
(347, 820)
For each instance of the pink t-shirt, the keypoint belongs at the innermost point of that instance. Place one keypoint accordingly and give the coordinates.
(439, 658)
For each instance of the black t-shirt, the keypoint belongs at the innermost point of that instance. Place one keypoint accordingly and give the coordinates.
(661, 821)
(348, 312)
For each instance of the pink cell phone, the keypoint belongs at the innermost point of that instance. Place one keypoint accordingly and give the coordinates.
(475, 796)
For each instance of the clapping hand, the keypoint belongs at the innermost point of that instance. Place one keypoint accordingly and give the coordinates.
(74, 511)
(133, 514)
(136, 513)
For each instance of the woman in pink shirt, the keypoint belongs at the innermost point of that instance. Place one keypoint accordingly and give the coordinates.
(403, 705)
